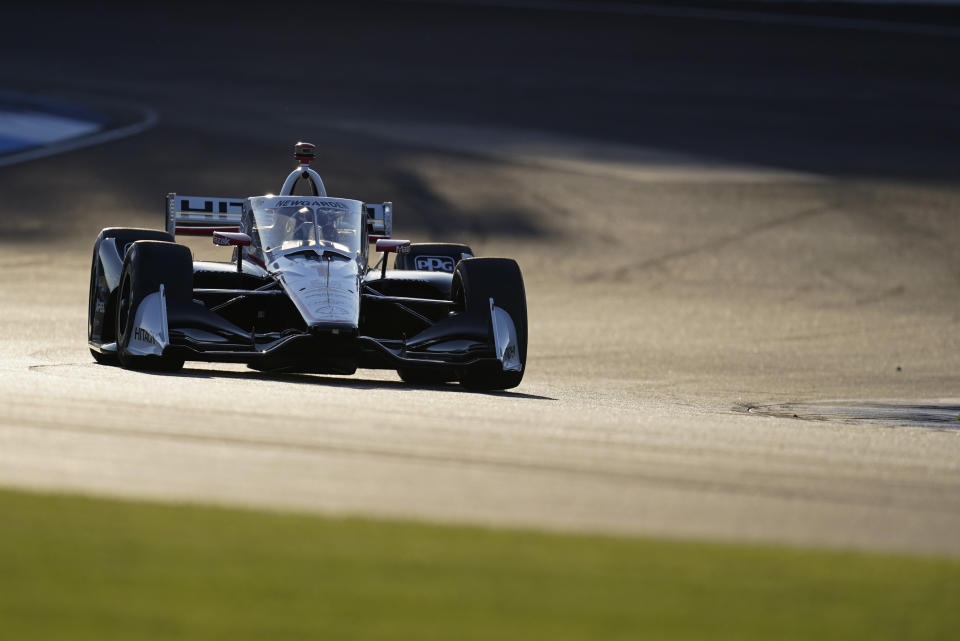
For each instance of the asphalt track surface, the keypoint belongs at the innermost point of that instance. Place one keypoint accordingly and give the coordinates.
(722, 225)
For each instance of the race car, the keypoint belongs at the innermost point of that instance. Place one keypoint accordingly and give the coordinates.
(300, 294)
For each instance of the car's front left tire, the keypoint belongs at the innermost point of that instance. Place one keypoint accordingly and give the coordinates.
(475, 282)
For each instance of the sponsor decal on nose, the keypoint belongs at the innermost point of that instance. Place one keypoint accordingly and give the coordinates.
(144, 336)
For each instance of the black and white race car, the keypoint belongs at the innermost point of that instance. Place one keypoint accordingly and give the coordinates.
(300, 294)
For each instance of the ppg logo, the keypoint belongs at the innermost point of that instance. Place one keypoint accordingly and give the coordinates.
(435, 264)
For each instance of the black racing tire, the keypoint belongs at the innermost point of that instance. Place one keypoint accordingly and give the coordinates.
(475, 282)
(407, 259)
(425, 376)
(147, 265)
(99, 291)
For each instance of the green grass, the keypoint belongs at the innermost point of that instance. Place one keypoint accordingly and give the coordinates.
(80, 568)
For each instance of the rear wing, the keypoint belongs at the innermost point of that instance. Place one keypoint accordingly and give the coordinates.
(202, 215)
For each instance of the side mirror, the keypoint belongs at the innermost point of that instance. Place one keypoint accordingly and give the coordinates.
(231, 238)
(379, 220)
(389, 245)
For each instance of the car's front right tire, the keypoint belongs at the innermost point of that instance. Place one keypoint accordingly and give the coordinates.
(101, 307)
(147, 265)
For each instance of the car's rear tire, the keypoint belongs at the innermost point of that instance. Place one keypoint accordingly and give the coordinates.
(147, 265)
(100, 292)
(441, 257)
(475, 282)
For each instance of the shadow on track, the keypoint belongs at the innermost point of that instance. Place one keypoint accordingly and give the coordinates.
(341, 381)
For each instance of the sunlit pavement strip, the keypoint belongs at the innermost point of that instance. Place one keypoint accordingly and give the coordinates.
(21, 130)
(568, 153)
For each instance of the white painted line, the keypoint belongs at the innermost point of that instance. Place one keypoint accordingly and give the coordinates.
(72, 144)
(726, 15)
(37, 128)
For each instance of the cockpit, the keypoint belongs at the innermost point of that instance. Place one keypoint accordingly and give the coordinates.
(278, 224)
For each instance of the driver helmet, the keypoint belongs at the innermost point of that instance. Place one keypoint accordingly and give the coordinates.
(299, 223)
(328, 223)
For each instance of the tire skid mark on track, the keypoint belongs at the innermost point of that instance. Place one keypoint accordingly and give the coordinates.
(942, 417)
(709, 245)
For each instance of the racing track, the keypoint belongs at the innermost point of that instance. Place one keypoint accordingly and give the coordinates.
(714, 229)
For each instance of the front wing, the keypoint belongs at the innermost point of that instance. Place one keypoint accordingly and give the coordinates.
(189, 330)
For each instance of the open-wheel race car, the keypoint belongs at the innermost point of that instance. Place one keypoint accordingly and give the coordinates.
(300, 294)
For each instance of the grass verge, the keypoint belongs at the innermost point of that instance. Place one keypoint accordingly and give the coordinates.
(81, 568)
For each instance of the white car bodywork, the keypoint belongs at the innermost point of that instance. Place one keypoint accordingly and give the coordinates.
(505, 338)
(150, 333)
(315, 247)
